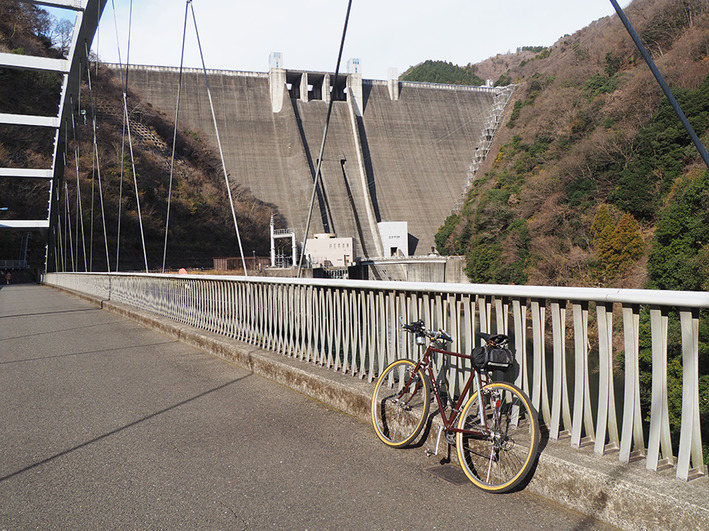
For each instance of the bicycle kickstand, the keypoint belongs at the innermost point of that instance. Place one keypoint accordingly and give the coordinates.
(429, 453)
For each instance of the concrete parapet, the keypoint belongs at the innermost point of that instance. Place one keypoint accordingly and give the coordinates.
(421, 269)
(454, 88)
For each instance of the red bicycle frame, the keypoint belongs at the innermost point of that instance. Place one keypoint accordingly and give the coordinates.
(448, 423)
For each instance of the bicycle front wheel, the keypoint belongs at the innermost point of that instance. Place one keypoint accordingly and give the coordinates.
(400, 403)
(498, 454)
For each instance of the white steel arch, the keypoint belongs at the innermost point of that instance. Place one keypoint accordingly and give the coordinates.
(88, 14)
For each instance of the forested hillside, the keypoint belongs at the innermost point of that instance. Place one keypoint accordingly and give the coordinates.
(592, 180)
(442, 72)
(201, 225)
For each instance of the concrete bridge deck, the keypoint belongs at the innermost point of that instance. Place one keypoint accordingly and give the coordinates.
(110, 424)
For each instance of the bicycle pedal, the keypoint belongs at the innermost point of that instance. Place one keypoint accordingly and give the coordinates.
(429, 452)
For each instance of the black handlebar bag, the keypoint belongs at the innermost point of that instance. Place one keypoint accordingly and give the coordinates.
(488, 358)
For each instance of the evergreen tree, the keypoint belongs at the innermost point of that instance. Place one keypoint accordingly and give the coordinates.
(626, 245)
(602, 234)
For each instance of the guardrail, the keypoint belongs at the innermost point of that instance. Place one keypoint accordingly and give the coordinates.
(351, 326)
(13, 264)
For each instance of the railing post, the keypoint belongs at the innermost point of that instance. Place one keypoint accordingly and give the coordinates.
(659, 438)
(632, 431)
(519, 312)
(560, 398)
(582, 416)
(690, 441)
(606, 421)
(540, 397)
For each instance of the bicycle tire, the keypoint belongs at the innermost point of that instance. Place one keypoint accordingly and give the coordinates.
(500, 461)
(400, 403)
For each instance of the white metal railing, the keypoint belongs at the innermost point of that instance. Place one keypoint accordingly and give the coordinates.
(351, 326)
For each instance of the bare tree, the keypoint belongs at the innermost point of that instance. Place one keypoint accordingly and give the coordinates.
(61, 34)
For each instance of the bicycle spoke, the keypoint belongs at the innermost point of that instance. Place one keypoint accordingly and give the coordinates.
(400, 403)
(500, 460)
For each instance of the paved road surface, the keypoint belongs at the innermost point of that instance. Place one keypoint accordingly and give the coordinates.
(108, 425)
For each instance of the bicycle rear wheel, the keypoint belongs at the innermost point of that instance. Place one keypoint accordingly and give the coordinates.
(499, 461)
(400, 403)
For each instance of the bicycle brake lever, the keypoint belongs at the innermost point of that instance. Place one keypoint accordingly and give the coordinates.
(444, 336)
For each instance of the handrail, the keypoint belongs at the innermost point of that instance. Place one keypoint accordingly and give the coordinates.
(350, 326)
(689, 299)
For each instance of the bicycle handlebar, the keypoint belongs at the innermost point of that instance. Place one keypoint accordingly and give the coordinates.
(417, 327)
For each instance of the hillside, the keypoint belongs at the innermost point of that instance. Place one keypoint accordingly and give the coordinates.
(201, 225)
(495, 69)
(588, 137)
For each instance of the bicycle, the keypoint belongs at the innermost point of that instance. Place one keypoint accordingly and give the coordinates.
(496, 437)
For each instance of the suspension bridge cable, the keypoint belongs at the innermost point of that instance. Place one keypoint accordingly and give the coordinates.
(123, 132)
(78, 186)
(127, 129)
(76, 217)
(219, 142)
(59, 256)
(318, 176)
(67, 225)
(79, 206)
(123, 150)
(174, 136)
(79, 213)
(91, 224)
(67, 209)
(97, 163)
(56, 194)
(97, 40)
(663, 84)
(120, 193)
(135, 181)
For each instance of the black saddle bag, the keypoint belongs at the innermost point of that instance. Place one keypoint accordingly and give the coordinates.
(489, 358)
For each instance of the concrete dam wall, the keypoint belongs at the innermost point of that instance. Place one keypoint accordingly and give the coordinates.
(395, 151)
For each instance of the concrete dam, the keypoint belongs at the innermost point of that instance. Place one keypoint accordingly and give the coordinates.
(395, 151)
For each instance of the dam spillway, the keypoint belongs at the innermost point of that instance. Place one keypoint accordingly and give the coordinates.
(395, 151)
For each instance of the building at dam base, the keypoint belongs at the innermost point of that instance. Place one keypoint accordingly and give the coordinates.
(395, 151)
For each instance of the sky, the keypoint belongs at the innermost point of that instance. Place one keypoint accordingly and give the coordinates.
(383, 34)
